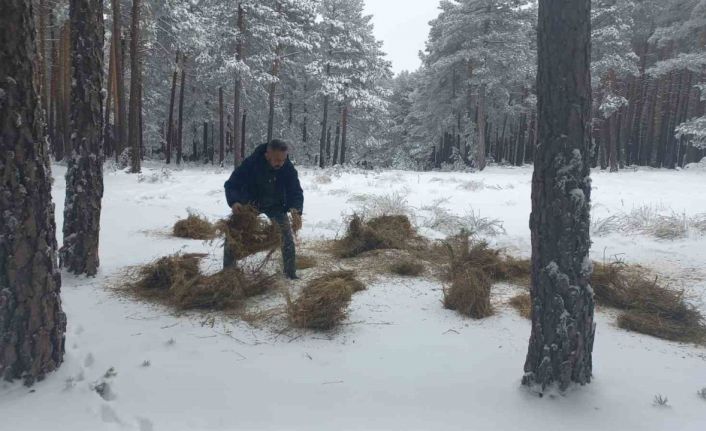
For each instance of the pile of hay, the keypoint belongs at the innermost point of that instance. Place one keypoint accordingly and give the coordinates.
(384, 232)
(223, 290)
(322, 303)
(247, 234)
(472, 270)
(194, 226)
(523, 304)
(177, 281)
(648, 307)
(155, 279)
(306, 262)
(407, 267)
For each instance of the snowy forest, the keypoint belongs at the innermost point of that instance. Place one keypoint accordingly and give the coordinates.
(244, 214)
(214, 78)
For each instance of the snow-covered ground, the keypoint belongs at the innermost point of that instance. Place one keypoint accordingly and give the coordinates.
(401, 363)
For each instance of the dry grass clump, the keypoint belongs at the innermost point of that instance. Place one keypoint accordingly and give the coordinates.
(156, 278)
(657, 326)
(469, 293)
(194, 226)
(306, 262)
(407, 267)
(471, 277)
(523, 304)
(323, 302)
(220, 291)
(649, 307)
(178, 282)
(384, 232)
(247, 234)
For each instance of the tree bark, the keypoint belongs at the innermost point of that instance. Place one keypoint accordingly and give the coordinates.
(170, 134)
(322, 141)
(480, 154)
(120, 121)
(181, 110)
(222, 143)
(84, 174)
(242, 132)
(135, 82)
(344, 131)
(32, 323)
(238, 88)
(107, 142)
(561, 342)
(337, 140)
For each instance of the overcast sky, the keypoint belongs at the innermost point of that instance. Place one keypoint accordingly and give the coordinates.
(403, 26)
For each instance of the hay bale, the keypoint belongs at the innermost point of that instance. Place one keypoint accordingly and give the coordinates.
(223, 290)
(322, 303)
(385, 232)
(194, 226)
(306, 262)
(247, 234)
(523, 304)
(407, 267)
(469, 293)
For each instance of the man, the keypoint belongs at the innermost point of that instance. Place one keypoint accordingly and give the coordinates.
(268, 181)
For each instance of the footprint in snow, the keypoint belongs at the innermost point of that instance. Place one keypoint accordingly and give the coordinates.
(90, 360)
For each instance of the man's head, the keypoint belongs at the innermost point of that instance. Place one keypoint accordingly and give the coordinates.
(276, 154)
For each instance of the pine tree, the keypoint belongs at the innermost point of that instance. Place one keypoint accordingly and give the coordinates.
(32, 323)
(84, 174)
(561, 343)
(134, 133)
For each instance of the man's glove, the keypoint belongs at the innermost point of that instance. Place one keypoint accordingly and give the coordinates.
(237, 208)
(296, 220)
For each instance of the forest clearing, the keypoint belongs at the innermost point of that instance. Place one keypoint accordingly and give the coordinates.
(399, 356)
(352, 215)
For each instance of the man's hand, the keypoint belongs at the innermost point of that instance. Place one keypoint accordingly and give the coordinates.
(237, 208)
(296, 220)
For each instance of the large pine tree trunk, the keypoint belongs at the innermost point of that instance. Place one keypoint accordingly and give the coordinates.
(84, 174)
(561, 343)
(120, 121)
(135, 82)
(107, 142)
(32, 323)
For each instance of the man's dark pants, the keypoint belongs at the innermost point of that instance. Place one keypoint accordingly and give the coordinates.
(289, 255)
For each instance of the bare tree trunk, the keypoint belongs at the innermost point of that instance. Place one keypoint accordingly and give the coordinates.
(32, 322)
(120, 121)
(222, 144)
(170, 134)
(273, 86)
(480, 154)
(107, 141)
(344, 131)
(181, 110)
(239, 56)
(242, 132)
(322, 141)
(134, 135)
(84, 175)
(561, 343)
(205, 141)
(337, 142)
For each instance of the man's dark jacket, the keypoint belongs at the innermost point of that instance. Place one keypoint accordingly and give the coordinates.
(244, 185)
